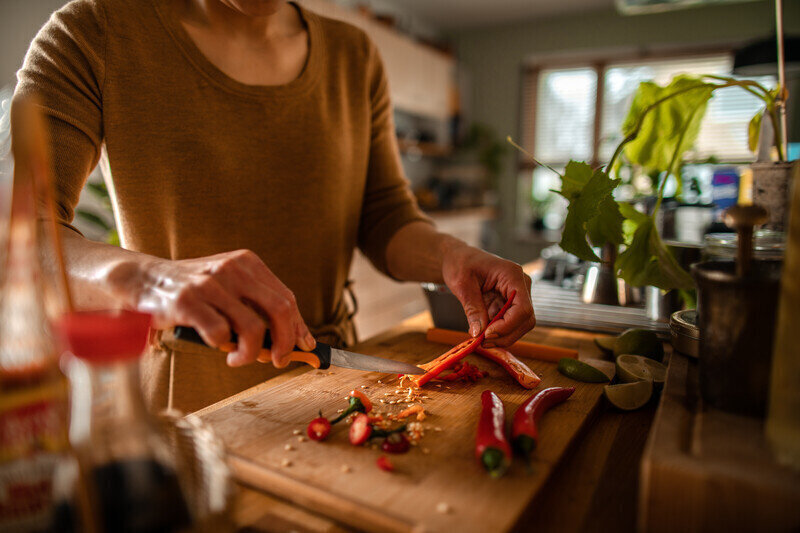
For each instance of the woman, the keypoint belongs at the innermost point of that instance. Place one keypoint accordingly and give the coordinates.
(246, 125)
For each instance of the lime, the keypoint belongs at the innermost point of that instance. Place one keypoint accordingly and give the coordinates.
(639, 342)
(629, 396)
(632, 368)
(580, 371)
(606, 344)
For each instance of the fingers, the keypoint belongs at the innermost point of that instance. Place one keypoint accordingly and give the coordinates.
(468, 291)
(247, 324)
(233, 291)
(246, 276)
(520, 317)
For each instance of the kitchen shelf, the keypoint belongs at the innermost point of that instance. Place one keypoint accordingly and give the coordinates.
(427, 149)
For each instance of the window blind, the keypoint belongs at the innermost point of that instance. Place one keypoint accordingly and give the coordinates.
(564, 114)
(723, 132)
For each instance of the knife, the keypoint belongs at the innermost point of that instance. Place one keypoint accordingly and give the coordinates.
(321, 357)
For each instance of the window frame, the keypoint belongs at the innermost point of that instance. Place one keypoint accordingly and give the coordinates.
(529, 83)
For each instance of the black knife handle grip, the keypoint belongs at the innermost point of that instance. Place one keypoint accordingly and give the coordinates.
(322, 351)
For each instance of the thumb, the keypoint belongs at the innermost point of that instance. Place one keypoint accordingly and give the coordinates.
(468, 292)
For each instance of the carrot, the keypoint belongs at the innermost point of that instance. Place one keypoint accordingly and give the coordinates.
(519, 348)
(451, 357)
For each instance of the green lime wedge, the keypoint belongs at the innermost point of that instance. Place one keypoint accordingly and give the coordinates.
(632, 368)
(639, 342)
(580, 371)
(629, 396)
(606, 344)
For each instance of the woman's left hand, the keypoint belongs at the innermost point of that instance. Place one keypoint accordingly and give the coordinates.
(482, 282)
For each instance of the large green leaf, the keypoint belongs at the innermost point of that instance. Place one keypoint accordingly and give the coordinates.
(670, 128)
(592, 211)
(647, 261)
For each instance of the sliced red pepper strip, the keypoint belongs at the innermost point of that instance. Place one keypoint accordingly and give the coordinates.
(447, 360)
(524, 433)
(516, 368)
(491, 446)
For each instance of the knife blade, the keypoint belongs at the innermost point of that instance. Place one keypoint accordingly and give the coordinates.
(322, 357)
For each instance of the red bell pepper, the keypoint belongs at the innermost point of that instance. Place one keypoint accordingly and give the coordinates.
(491, 446)
(516, 368)
(524, 433)
(451, 357)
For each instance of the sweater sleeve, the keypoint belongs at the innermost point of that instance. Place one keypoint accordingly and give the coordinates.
(388, 202)
(64, 70)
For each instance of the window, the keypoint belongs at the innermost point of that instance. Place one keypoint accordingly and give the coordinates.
(561, 116)
(577, 112)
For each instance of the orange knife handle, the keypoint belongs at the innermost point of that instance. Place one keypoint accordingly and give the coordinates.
(309, 358)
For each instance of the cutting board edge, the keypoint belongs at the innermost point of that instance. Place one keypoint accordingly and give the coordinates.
(317, 500)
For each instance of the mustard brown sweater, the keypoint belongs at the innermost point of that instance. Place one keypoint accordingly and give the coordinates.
(199, 163)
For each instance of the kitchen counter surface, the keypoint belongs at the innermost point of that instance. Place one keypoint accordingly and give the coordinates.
(594, 488)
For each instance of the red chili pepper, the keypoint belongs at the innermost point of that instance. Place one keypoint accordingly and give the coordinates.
(358, 403)
(491, 446)
(395, 443)
(360, 430)
(516, 368)
(450, 358)
(385, 464)
(319, 428)
(524, 433)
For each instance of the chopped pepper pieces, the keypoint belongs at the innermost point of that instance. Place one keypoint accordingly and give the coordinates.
(451, 357)
(359, 403)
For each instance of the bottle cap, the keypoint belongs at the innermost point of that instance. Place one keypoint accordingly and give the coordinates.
(105, 336)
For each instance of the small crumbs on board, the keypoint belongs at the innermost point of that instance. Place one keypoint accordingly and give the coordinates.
(443, 508)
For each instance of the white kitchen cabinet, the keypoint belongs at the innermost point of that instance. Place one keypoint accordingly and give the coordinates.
(421, 78)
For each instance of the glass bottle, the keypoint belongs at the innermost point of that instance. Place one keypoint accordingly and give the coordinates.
(128, 468)
(33, 392)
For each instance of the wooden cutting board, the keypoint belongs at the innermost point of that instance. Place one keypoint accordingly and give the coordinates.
(343, 482)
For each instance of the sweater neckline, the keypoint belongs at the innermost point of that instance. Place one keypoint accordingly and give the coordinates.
(300, 85)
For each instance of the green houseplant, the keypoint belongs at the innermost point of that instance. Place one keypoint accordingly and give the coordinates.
(662, 124)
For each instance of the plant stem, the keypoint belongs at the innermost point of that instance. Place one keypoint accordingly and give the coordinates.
(674, 160)
(524, 151)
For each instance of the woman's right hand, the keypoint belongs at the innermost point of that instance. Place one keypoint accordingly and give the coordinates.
(228, 291)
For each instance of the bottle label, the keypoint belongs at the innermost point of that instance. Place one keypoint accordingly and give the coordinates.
(33, 439)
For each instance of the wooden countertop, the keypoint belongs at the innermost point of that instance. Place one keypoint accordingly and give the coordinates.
(593, 488)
